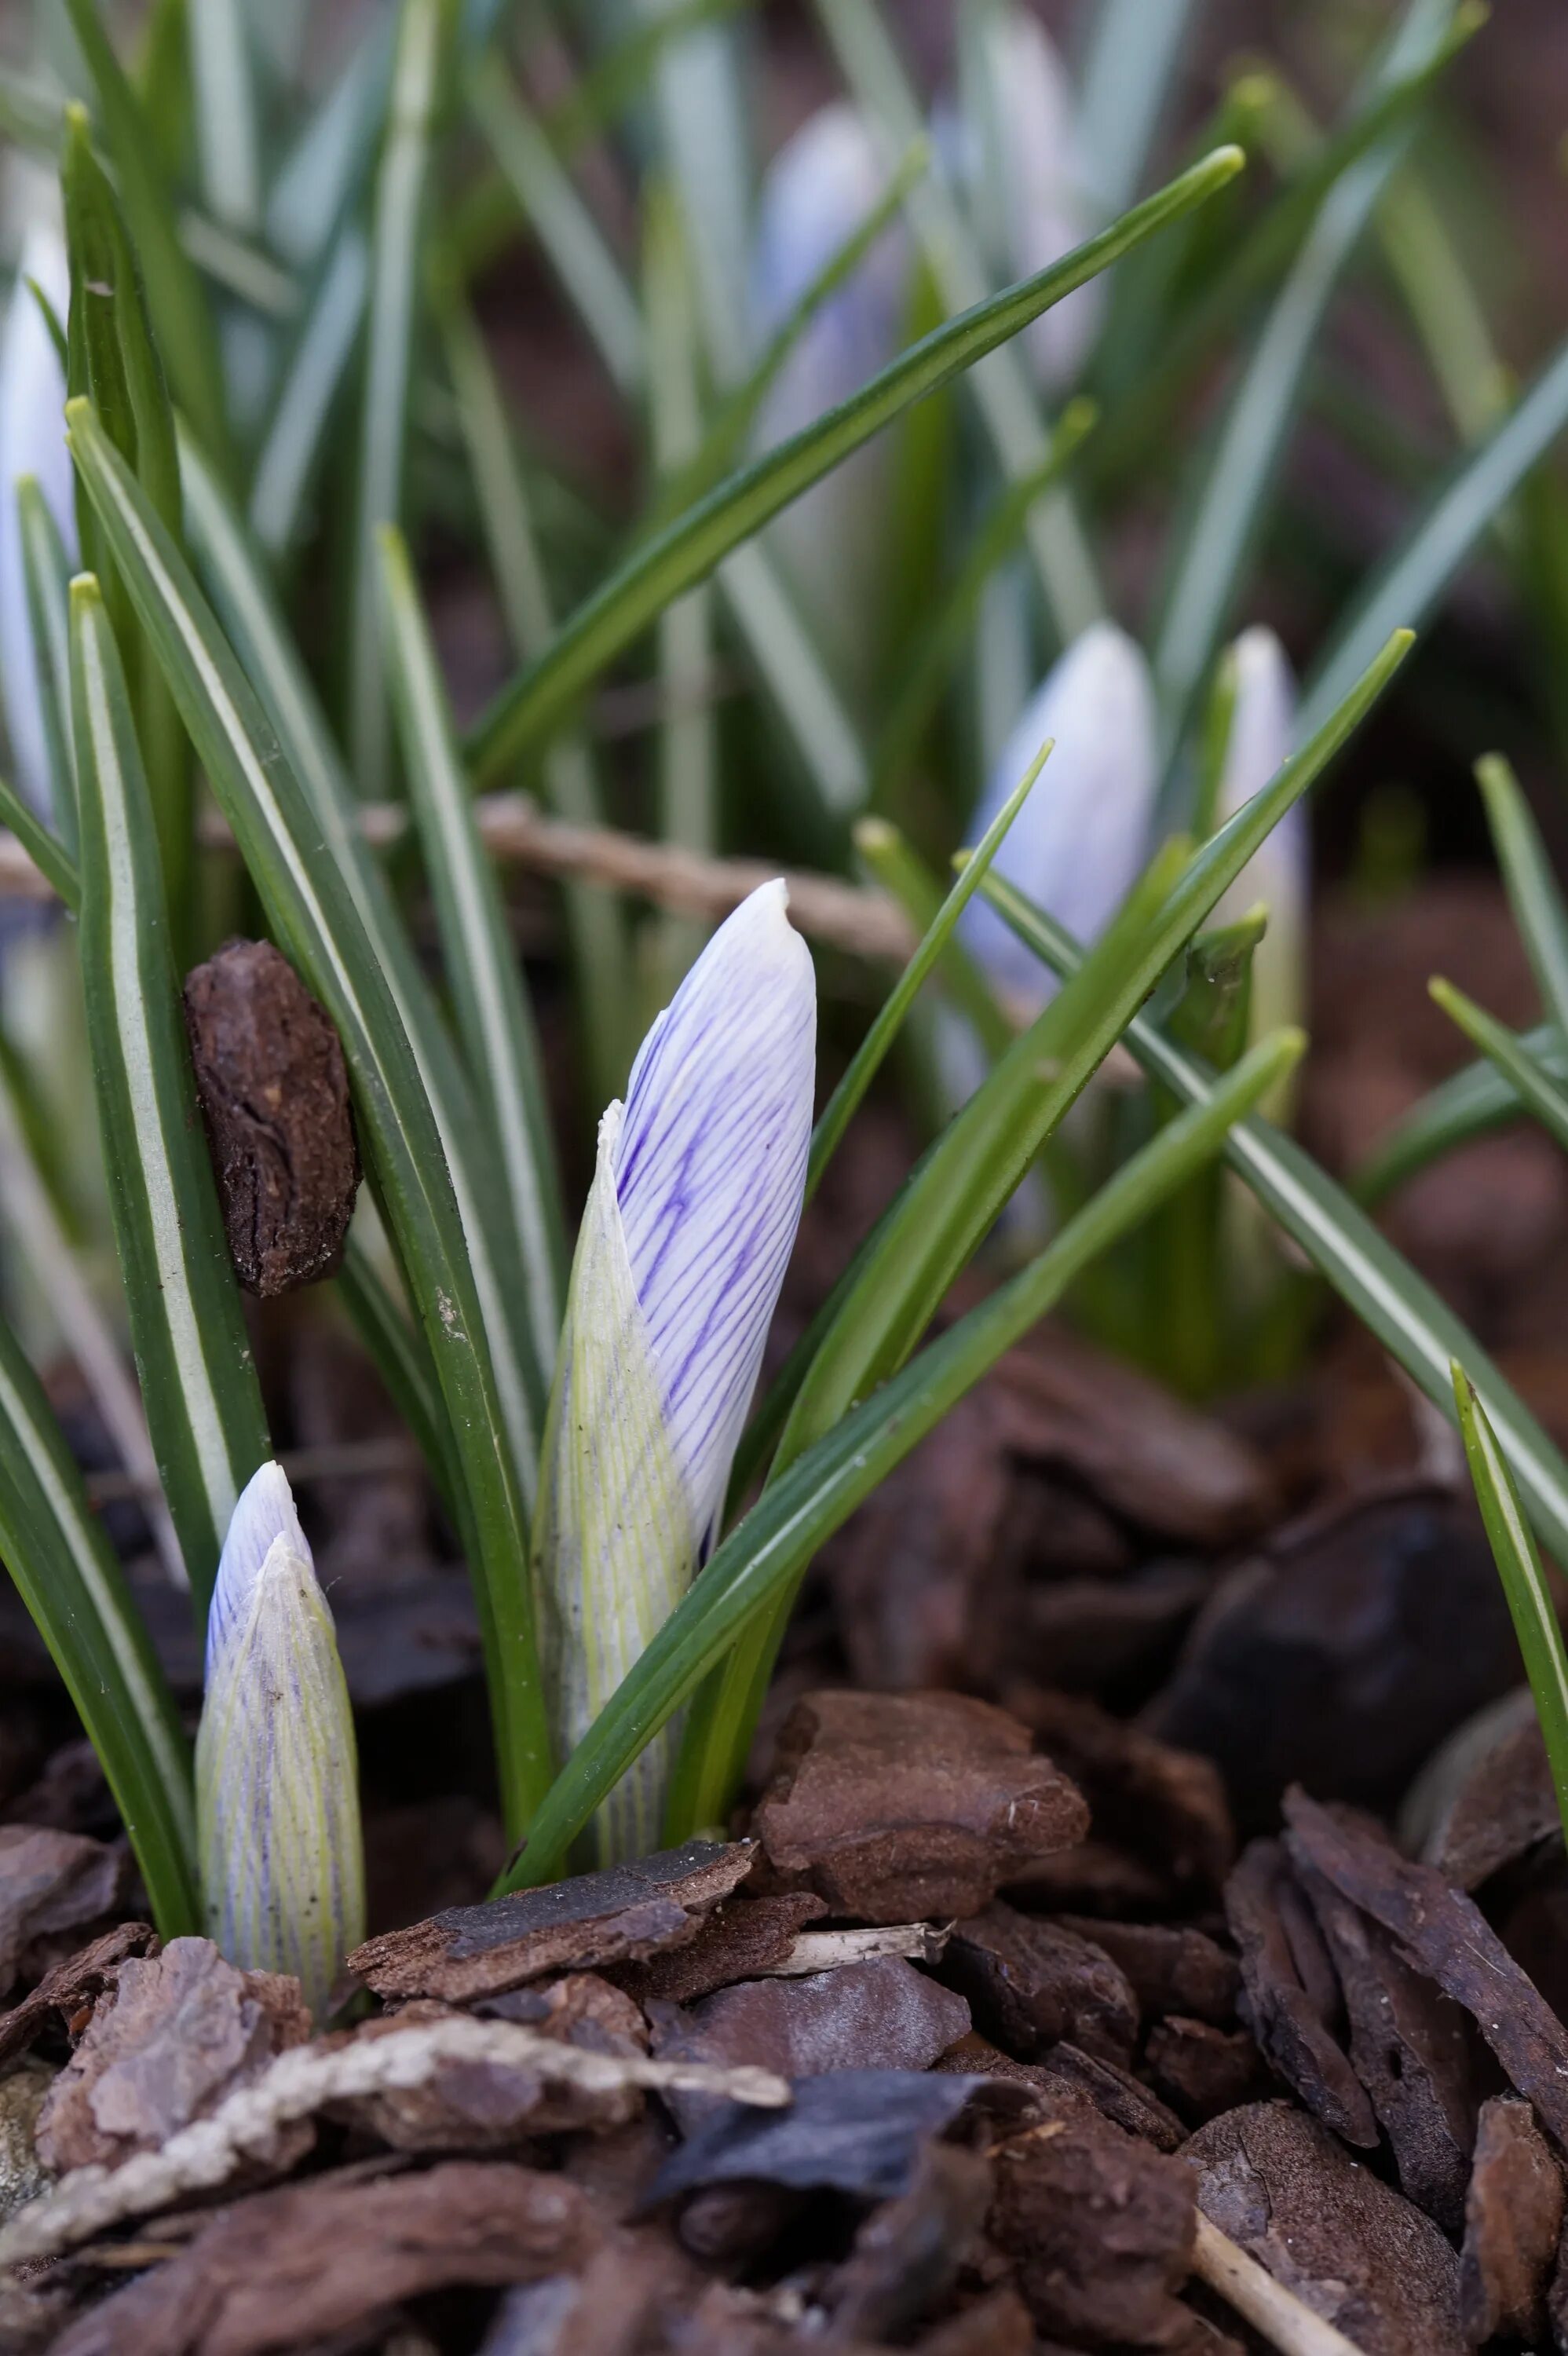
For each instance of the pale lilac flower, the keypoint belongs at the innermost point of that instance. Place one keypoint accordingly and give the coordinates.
(32, 442)
(1261, 737)
(278, 1829)
(1083, 835)
(682, 1250)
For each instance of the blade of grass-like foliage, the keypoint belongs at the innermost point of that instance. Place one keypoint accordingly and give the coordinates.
(596, 937)
(1206, 574)
(397, 220)
(400, 1356)
(1532, 891)
(48, 856)
(312, 910)
(565, 228)
(290, 449)
(1444, 306)
(198, 1381)
(699, 102)
(228, 140)
(868, 1059)
(905, 875)
(692, 547)
(76, 1595)
(1530, 1599)
(182, 317)
(1002, 389)
(31, 109)
(1398, 1307)
(1416, 575)
(494, 1021)
(1471, 1104)
(46, 570)
(1531, 1083)
(1131, 66)
(316, 180)
(764, 1556)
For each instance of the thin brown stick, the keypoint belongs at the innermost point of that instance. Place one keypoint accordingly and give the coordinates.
(1285, 2321)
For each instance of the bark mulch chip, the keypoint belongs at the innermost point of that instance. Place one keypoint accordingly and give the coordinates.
(1118, 2096)
(898, 1807)
(1172, 1967)
(52, 1884)
(907, 2253)
(1201, 2071)
(738, 1939)
(1072, 2089)
(273, 1090)
(1101, 2230)
(68, 1990)
(1032, 1983)
(1290, 1995)
(1513, 2222)
(1439, 1930)
(596, 1919)
(854, 2131)
(297, 2266)
(1163, 1808)
(184, 2029)
(1504, 1808)
(1350, 2248)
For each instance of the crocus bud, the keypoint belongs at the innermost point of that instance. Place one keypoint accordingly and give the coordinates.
(282, 1867)
(1261, 737)
(689, 1222)
(819, 190)
(1082, 836)
(32, 442)
(1020, 155)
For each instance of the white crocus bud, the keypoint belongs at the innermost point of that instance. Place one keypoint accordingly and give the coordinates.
(1021, 156)
(688, 1226)
(277, 1797)
(32, 442)
(1083, 835)
(819, 190)
(1262, 738)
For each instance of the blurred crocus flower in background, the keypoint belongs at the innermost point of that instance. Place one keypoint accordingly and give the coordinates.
(1083, 835)
(277, 1795)
(819, 188)
(684, 1241)
(32, 442)
(1261, 737)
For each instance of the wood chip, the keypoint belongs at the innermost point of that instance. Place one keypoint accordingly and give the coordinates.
(1513, 2223)
(53, 1882)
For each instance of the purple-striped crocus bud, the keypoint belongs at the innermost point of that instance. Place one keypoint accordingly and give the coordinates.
(688, 1226)
(277, 1788)
(1081, 839)
(32, 442)
(1261, 737)
(819, 188)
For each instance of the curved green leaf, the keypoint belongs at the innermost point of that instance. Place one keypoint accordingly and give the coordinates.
(1472, 1103)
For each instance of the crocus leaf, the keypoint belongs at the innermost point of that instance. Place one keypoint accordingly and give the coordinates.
(46, 852)
(48, 568)
(1471, 1103)
(290, 455)
(1534, 1085)
(65, 1571)
(198, 1381)
(1532, 891)
(1524, 1583)
(764, 1556)
(399, 1353)
(312, 909)
(692, 547)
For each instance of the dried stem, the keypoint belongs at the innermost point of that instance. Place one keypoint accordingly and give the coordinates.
(1285, 2321)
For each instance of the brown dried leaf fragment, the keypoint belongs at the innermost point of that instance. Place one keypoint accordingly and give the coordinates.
(51, 1884)
(304, 2263)
(273, 1090)
(1101, 2231)
(893, 1807)
(586, 1923)
(1513, 2222)
(1287, 1988)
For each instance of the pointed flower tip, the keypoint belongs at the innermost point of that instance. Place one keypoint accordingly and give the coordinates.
(263, 1518)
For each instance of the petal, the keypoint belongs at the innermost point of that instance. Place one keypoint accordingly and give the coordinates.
(1081, 835)
(710, 1170)
(1263, 735)
(1029, 98)
(278, 1830)
(265, 1514)
(32, 442)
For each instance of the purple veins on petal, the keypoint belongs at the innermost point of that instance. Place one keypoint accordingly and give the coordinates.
(709, 1175)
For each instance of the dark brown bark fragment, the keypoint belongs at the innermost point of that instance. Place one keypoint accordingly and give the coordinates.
(1513, 2222)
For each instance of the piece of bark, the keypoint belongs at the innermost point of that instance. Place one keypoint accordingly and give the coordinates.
(634, 2293)
(68, 1991)
(1351, 2249)
(894, 1806)
(581, 2009)
(1284, 2009)
(1441, 1933)
(1513, 2222)
(1172, 1967)
(1165, 1806)
(1118, 2096)
(1414, 2050)
(52, 1883)
(1031, 1983)
(1071, 2089)
(184, 2029)
(301, 2264)
(997, 2324)
(273, 1091)
(23, 2176)
(1101, 2230)
(487, 2103)
(882, 2015)
(583, 1924)
(1505, 1808)
(856, 2131)
(1201, 2071)
(1343, 1654)
(907, 2253)
(740, 1939)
